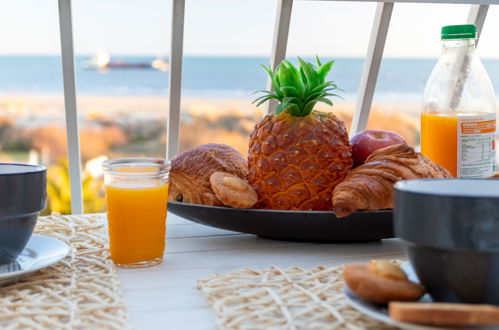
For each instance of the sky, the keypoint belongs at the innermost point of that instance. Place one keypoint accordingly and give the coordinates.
(232, 28)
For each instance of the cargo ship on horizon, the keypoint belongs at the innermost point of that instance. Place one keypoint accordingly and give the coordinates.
(102, 61)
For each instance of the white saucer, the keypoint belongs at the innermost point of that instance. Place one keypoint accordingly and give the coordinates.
(40, 252)
(380, 312)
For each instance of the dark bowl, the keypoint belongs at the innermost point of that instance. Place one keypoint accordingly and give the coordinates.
(22, 197)
(451, 227)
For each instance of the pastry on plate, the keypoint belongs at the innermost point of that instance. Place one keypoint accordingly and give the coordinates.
(191, 170)
(370, 186)
(233, 191)
(380, 282)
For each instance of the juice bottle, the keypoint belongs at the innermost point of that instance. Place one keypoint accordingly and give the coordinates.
(458, 120)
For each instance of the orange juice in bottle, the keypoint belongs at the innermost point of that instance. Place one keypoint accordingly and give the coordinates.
(458, 122)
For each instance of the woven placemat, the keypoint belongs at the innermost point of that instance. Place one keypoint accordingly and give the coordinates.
(81, 291)
(293, 298)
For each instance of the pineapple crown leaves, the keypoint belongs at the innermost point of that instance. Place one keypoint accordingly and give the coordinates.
(298, 90)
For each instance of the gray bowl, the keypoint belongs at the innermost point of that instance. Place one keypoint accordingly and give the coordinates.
(451, 227)
(22, 197)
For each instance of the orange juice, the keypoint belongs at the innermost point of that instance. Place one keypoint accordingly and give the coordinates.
(137, 223)
(463, 143)
(439, 139)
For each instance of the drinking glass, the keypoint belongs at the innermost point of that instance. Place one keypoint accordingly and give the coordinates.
(136, 198)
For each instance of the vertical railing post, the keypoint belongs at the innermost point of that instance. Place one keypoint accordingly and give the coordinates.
(68, 73)
(371, 66)
(175, 80)
(477, 16)
(280, 41)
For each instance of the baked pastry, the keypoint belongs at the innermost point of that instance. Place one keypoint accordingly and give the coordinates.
(494, 176)
(191, 170)
(232, 190)
(381, 282)
(444, 314)
(370, 186)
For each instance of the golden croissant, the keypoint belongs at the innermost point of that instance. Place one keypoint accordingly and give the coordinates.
(191, 170)
(370, 186)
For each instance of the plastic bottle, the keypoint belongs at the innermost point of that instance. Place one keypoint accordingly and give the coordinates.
(458, 121)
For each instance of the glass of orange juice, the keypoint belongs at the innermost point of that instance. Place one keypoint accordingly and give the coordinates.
(136, 198)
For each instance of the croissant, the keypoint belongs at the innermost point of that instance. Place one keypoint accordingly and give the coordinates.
(494, 176)
(191, 170)
(370, 186)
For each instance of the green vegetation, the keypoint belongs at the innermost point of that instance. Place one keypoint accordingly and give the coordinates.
(59, 195)
(299, 90)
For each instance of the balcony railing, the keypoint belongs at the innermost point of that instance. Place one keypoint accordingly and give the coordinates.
(477, 15)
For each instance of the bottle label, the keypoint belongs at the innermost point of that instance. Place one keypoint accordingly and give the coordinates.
(476, 146)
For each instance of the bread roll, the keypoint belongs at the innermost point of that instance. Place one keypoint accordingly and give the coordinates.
(378, 287)
(191, 170)
(233, 191)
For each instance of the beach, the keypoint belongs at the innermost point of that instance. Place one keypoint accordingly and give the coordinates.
(112, 105)
(203, 120)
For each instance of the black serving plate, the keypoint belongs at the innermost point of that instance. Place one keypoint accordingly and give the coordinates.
(315, 226)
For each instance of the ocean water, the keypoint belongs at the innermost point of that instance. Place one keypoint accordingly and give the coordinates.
(400, 80)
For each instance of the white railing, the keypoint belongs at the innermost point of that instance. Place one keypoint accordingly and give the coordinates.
(68, 74)
(379, 31)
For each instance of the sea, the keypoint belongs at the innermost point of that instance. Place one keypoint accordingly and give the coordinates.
(400, 80)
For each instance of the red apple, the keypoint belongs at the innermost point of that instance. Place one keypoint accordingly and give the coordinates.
(364, 143)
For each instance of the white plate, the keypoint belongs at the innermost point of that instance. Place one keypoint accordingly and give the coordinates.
(40, 252)
(380, 312)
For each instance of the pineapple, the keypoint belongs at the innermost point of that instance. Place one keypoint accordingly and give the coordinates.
(298, 155)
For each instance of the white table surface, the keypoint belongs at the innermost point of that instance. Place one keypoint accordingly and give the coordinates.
(166, 296)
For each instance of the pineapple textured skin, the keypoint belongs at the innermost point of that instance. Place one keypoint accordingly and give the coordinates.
(295, 162)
